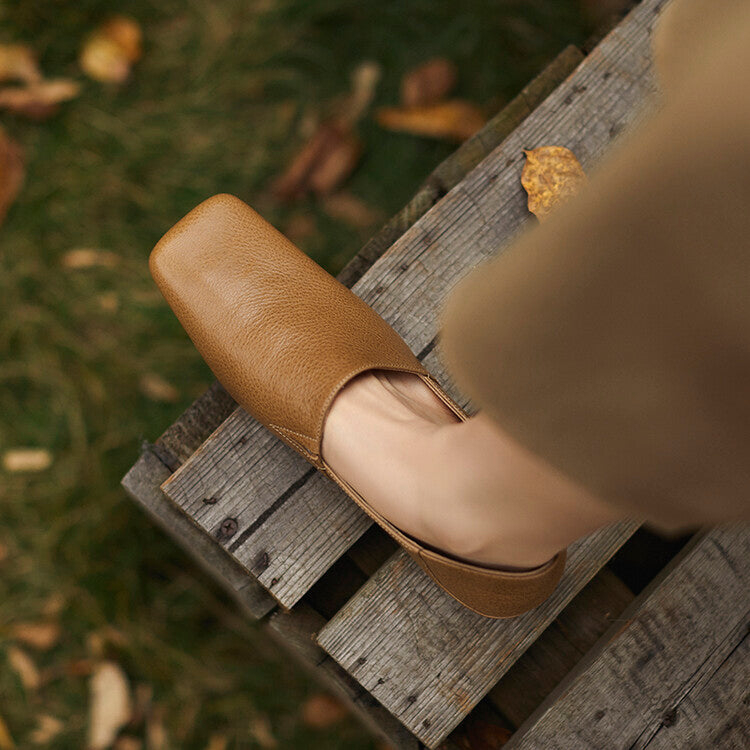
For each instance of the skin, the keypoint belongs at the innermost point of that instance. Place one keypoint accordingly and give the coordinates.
(465, 487)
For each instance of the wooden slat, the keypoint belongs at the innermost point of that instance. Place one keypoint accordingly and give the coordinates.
(675, 673)
(142, 484)
(427, 658)
(287, 522)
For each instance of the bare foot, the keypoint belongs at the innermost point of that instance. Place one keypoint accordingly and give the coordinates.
(463, 487)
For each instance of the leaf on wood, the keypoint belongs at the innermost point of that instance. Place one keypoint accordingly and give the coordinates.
(428, 83)
(322, 164)
(18, 62)
(47, 728)
(26, 459)
(321, 710)
(110, 51)
(87, 257)
(455, 119)
(11, 172)
(6, 741)
(38, 100)
(23, 665)
(156, 388)
(260, 730)
(352, 210)
(551, 175)
(110, 705)
(38, 635)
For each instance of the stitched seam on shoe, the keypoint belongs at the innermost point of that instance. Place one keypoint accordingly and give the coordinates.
(283, 433)
(293, 432)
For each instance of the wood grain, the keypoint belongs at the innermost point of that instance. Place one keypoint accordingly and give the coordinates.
(675, 673)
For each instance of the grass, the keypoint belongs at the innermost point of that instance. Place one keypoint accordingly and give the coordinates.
(217, 104)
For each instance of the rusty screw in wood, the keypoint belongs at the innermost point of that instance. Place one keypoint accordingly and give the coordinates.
(228, 528)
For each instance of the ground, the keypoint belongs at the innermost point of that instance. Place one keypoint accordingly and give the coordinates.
(219, 102)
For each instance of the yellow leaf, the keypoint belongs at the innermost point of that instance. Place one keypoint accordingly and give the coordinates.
(39, 635)
(454, 119)
(6, 741)
(26, 459)
(48, 727)
(22, 664)
(109, 52)
(110, 706)
(551, 175)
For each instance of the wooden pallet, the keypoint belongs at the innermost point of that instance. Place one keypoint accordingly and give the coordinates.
(335, 590)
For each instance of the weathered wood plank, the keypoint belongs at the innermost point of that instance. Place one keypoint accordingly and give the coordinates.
(260, 484)
(675, 673)
(142, 483)
(294, 631)
(427, 658)
(560, 647)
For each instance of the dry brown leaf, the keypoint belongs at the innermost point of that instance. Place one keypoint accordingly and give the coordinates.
(38, 100)
(26, 459)
(321, 710)
(6, 741)
(11, 172)
(87, 257)
(48, 727)
(126, 742)
(38, 635)
(23, 665)
(18, 62)
(260, 729)
(110, 51)
(110, 705)
(156, 734)
(428, 83)
(156, 388)
(217, 742)
(352, 210)
(455, 119)
(322, 164)
(551, 175)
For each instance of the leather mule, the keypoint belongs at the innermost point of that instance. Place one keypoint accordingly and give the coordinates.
(283, 336)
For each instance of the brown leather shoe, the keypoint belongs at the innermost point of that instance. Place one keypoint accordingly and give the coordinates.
(283, 336)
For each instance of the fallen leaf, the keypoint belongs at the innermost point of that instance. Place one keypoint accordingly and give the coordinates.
(110, 51)
(38, 100)
(454, 119)
(323, 163)
(156, 734)
(364, 82)
(87, 257)
(11, 172)
(48, 727)
(27, 459)
(322, 710)
(110, 706)
(6, 741)
(551, 175)
(22, 664)
(154, 386)
(217, 742)
(18, 62)
(428, 83)
(38, 635)
(352, 210)
(126, 742)
(260, 729)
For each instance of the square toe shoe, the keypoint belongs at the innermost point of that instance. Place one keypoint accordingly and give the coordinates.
(283, 336)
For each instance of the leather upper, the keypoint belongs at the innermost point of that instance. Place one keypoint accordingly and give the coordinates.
(251, 302)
